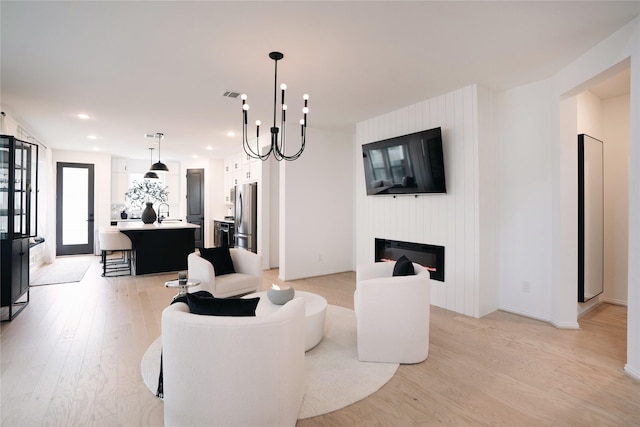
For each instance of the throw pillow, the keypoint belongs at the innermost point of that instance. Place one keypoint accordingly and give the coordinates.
(403, 267)
(220, 258)
(212, 306)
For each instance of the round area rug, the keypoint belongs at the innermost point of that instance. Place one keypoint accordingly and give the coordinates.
(335, 376)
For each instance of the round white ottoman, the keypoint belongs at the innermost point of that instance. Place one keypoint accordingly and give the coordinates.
(315, 312)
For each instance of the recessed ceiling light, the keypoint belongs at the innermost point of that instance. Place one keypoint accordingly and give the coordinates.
(209, 148)
(92, 137)
(83, 116)
(231, 133)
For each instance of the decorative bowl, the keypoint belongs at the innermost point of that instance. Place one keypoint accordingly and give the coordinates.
(280, 295)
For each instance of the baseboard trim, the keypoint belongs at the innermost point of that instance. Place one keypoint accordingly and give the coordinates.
(566, 325)
(615, 301)
(633, 373)
(525, 314)
(559, 325)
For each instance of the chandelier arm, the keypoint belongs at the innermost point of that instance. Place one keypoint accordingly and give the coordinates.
(245, 139)
(247, 147)
(302, 146)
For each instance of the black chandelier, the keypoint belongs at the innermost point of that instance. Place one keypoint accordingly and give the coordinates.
(277, 146)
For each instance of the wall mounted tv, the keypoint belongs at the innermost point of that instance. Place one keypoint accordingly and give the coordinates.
(408, 164)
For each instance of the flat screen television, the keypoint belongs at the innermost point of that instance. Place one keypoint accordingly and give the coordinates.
(408, 164)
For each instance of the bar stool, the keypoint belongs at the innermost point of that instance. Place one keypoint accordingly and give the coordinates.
(112, 240)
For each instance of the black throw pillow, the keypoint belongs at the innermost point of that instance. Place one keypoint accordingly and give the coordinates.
(212, 306)
(403, 267)
(220, 258)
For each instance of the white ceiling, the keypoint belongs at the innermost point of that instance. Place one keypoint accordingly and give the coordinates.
(162, 66)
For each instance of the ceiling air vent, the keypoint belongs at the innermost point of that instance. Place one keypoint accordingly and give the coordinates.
(231, 94)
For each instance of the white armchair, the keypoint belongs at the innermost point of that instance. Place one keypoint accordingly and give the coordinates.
(233, 371)
(392, 314)
(246, 279)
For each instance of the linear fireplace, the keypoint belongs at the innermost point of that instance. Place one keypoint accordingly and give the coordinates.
(429, 256)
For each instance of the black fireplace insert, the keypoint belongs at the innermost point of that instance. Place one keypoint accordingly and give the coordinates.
(429, 256)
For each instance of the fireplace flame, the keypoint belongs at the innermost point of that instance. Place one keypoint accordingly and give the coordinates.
(425, 266)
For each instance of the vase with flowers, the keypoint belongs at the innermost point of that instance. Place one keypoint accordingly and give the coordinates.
(146, 193)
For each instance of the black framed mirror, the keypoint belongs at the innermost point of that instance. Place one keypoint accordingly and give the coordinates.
(590, 218)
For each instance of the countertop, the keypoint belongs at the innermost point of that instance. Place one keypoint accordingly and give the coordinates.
(230, 221)
(167, 225)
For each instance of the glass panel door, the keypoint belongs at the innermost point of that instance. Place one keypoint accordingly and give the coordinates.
(75, 225)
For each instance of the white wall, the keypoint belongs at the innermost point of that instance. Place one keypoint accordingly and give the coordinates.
(451, 220)
(615, 134)
(316, 193)
(525, 200)
(274, 214)
(632, 367)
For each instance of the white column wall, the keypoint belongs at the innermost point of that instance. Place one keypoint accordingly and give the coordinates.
(316, 193)
(633, 314)
(615, 131)
(525, 182)
(451, 220)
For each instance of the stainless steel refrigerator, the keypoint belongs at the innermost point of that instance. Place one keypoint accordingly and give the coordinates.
(246, 217)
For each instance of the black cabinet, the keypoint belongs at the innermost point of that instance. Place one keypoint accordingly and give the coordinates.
(14, 295)
(18, 213)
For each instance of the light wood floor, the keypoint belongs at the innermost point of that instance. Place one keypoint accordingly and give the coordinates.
(72, 357)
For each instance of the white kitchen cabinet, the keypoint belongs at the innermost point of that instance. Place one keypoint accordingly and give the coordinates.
(118, 165)
(232, 175)
(251, 171)
(119, 186)
(172, 182)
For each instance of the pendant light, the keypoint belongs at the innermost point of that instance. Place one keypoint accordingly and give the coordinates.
(151, 174)
(159, 166)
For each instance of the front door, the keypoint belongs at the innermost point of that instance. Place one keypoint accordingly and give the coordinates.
(74, 209)
(195, 203)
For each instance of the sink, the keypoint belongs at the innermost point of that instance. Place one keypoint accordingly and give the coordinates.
(171, 220)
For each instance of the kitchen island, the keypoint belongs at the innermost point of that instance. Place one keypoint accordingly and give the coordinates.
(159, 248)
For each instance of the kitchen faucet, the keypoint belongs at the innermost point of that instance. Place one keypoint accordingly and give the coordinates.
(160, 216)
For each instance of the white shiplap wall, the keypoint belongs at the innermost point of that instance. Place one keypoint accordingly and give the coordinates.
(450, 220)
